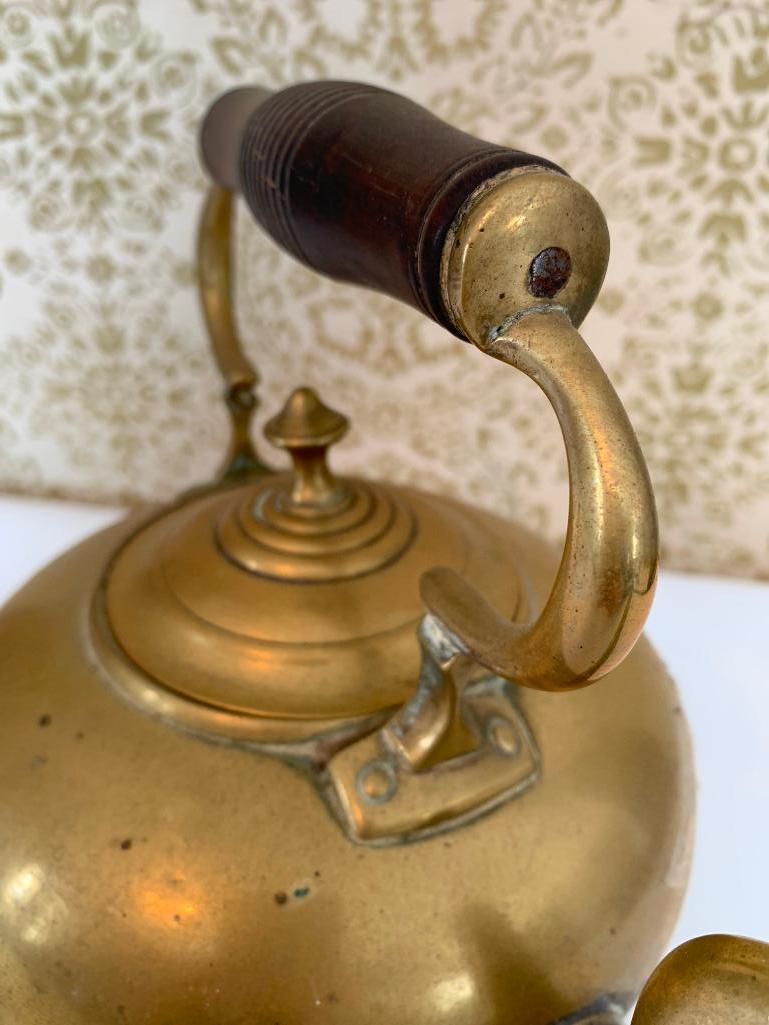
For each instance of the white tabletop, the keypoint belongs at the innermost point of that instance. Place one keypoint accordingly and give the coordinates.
(711, 633)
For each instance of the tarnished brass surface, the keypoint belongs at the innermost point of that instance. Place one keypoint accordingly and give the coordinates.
(143, 868)
(713, 980)
(500, 230)
(457, 749)
(605, 583)
(348, 851)
(199, 618)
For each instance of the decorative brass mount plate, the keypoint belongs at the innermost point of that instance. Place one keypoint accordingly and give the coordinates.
(380, 799)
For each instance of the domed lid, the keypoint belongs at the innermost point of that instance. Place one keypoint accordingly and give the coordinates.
(292, 603)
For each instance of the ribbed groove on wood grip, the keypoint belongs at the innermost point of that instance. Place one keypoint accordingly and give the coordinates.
(269, 149)
(362, 184)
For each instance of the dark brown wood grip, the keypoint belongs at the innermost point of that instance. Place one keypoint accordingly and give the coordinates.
(362, 184)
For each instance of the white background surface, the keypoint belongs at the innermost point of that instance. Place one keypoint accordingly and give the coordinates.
(713, 635)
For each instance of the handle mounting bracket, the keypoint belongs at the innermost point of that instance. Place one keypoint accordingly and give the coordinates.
(459, 748)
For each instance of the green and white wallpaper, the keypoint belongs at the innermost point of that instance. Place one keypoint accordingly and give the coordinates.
(107, 389)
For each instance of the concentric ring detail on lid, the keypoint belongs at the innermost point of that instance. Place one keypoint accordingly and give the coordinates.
(184, 611)
(364, 533)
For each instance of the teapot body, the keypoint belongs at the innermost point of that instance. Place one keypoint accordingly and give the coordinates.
(149, 874)
(306, 749)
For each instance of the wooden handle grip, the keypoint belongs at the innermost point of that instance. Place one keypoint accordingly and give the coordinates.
(357, 182)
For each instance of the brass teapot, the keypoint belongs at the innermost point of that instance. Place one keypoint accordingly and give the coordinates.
(298, 748)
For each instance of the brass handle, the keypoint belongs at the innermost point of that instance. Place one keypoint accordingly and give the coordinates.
(605, 583)
(596, 609)
(238, 373)
(521, 262)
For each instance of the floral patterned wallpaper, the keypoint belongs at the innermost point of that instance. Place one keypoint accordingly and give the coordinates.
(661, 108)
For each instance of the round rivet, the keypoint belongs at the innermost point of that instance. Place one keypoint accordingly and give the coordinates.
(377, 782)
(549, 272)
(504, 736)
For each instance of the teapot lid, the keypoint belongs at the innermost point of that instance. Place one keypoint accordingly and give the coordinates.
(291, 603)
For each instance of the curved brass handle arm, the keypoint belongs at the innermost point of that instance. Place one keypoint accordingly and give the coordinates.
(605, 583)
(528, 235)
(215, 288)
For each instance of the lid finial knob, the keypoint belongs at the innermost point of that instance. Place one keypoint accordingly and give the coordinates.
(306, 428)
